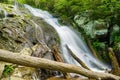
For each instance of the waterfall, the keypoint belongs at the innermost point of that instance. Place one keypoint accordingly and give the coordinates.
(72, 40)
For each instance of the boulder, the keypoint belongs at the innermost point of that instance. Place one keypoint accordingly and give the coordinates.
(95, 29)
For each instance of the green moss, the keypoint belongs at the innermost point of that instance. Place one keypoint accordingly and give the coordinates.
(8, 70)
(27, 16)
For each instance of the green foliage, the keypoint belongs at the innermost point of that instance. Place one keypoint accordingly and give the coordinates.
(108, 10)
(21, 1)
(105, 58)
(3, 1)
(116, 40)
(96, 45)
(101, 50)
(98, 9)
(8, 69)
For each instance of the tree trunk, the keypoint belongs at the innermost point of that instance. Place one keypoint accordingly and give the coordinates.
(48, 64)
(115, 65)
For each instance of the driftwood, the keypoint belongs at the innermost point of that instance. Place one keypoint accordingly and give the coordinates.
(25, 60)
(56, 54)
(91, 47)
(77, 59)
(115, 65)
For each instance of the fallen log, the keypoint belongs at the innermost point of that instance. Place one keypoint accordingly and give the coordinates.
(115, 65)
(25, 60)
(58, 58)
(56, 53)
(76, 58)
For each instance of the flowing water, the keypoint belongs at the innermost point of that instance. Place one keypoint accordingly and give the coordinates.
(72, 40)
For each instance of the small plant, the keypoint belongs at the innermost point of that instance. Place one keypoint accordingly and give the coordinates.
(8, 69)
(96, 45)
(115, 39)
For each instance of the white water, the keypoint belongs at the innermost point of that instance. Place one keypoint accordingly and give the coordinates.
(72, 40)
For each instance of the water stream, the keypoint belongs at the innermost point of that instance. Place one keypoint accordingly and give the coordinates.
(72, 40)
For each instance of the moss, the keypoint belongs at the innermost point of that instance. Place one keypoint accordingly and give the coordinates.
(27, 16)
(8, 70)
(58, 40)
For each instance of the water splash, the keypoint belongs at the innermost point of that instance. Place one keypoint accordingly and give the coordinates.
(72, 40)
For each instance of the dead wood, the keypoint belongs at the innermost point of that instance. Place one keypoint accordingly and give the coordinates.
(25, 60)
(58, 58)
(76, 58)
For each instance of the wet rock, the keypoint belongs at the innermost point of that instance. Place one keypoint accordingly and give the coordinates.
(100, 29)
(95, 29)
(50, 35)
(1, 68)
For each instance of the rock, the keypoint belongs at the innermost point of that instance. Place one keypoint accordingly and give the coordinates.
(100, 29)
(29, 35)
(95, 29)
(50, 35)
(1, 68)
(24, 73)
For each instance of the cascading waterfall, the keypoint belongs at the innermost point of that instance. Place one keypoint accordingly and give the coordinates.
(72, 40)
